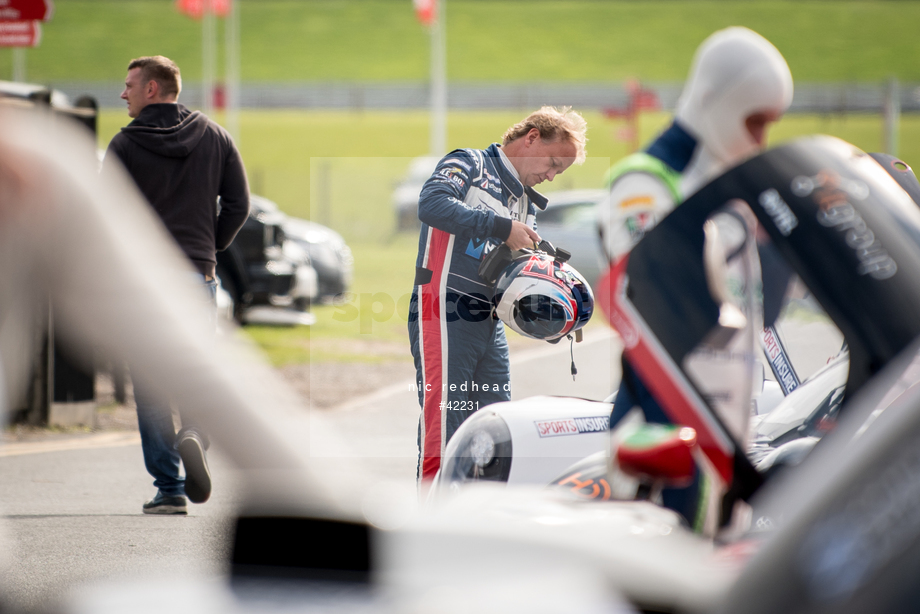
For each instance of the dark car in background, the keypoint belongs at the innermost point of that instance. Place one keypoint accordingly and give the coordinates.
(278, 266)
(266, 282)
(326, 250)
(83, 109)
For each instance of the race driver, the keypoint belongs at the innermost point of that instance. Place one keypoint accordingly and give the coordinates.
(738, 86)
(475, 201)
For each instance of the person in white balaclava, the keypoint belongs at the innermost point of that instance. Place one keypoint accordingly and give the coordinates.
(738, 85)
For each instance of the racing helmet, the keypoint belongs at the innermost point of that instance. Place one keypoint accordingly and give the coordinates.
(542, 297)
(736, 72)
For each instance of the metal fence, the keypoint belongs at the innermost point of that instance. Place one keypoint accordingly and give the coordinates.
(809, 97)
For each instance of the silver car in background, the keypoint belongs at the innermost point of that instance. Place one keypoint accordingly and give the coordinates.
(328, 253)
(406, 193)
(570, 222)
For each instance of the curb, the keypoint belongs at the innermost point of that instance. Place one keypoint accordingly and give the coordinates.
(81, 442)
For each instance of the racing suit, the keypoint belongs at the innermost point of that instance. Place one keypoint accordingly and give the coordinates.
(459, 348)
(645, 187)
(736, 73)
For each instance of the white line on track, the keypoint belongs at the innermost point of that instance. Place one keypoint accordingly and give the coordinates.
(78, 442)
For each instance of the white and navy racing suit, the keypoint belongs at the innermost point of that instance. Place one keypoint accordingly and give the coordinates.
(736, 73)
(459, 348)
(644, 188)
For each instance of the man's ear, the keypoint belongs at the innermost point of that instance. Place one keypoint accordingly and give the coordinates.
(531, 137)
(152, 89)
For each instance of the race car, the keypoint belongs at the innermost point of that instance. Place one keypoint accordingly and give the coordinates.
(849, 234)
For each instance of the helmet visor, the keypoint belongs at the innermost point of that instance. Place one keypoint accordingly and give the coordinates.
(540, 316)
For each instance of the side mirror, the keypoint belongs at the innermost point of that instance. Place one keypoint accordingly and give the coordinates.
(660, 455)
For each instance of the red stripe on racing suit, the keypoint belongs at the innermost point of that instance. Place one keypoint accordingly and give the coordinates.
(433, 343)
(664, 379)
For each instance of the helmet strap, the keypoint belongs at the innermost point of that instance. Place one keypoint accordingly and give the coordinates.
(572, 355)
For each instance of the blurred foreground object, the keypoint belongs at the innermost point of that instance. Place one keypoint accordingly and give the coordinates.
(739, 84)
(60, 393)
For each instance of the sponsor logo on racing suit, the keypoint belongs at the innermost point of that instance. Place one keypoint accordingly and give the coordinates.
(451, 176)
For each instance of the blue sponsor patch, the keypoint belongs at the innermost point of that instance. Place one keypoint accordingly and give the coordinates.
(475, 248)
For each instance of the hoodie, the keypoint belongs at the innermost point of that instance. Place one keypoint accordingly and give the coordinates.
(191, 173)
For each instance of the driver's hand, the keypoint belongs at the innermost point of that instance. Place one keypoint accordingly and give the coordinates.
(522, 236)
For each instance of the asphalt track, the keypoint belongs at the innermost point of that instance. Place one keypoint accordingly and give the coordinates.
(71, 506)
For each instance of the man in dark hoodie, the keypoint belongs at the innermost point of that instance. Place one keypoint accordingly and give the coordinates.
(182, 162)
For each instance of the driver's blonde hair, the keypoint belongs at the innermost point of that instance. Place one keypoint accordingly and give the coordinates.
(553, 124)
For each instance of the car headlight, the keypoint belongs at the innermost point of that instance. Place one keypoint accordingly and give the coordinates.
(479, 450)
(292, 250)
(482, 449)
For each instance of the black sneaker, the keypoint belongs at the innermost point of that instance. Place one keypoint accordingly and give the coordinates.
(197, 476)
(164, 504)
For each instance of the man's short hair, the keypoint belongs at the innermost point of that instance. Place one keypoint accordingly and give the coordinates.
(553, 124)
(162, 70)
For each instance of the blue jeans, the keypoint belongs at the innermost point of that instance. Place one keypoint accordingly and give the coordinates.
(158, 435)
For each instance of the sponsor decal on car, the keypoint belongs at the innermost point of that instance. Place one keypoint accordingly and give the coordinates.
(572, 426)
(833, 194)
(591, 488)
(779, 360)
(779, 210)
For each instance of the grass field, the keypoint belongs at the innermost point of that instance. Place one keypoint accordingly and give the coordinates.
(487, 40)
(339, 168)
